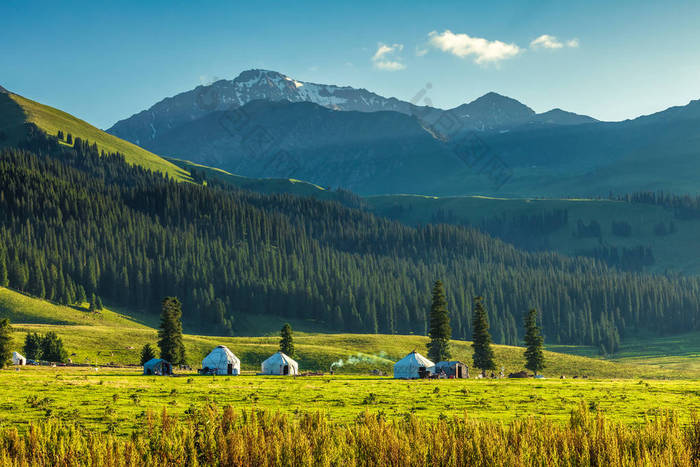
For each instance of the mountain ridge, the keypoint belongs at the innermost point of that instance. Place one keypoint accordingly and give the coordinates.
(144, 127)
(390, 152)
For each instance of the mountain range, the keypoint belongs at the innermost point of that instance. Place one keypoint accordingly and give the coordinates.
(266, 124)
(491, 111)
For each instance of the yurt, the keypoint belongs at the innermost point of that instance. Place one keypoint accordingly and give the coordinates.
(280, 364)
(451, 369)
(157, 367)
(18, 359)
(221, 361)
(412, 366)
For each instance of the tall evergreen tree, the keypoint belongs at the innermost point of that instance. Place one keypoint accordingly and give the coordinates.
(147, 353)
(287, 340)
(481, 339)
(32, 346)
(52, 348)
(440, 331)
(170, 342)
(5, 342)
(534, 341)
(4, 277)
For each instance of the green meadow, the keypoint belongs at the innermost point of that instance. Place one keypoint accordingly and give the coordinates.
(98, 398)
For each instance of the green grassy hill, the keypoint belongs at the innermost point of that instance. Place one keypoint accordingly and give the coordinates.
(260, 185)
(16, 110)
(678, 251)
(108, 336)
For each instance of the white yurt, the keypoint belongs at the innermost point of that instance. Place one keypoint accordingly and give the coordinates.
(18, 359)
(280, 364)
(222, 361)
(412, 366)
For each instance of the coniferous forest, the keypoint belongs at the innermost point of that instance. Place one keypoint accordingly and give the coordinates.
(76, 223)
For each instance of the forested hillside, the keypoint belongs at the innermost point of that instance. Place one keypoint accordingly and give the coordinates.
(651, 232)
(74, 224)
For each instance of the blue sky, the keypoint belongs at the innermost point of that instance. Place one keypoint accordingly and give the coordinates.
(611, 60)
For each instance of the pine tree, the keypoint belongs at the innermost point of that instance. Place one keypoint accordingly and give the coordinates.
(440, 331)
(534, 341)
(52, 348)
(81, 296)
(483, 353)
(32, 346)
(5, 342)
(4, 279)
(287, 340)
(147, 353)
(98, 303)
(170, 342)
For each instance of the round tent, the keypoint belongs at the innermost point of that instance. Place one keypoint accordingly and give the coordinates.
(280, 364)
(157, 367)
(412, 366)
(18, 359)
(222, 361)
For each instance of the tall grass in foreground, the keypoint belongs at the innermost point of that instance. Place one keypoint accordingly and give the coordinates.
(210, 436)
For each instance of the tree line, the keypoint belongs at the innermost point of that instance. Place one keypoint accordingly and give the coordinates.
(76, 222)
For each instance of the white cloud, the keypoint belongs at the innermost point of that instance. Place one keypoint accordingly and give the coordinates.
(384, 58)
(463, 45)
(545, 41)
(389, 65)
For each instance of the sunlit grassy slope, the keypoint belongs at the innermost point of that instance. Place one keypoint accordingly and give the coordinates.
(107, 336)
(260, 185)
(679, 251)
(16, 110)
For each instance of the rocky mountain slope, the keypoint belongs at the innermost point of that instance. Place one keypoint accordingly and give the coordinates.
(490, 111)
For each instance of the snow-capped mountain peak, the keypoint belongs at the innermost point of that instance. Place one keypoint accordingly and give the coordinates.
(250, 85)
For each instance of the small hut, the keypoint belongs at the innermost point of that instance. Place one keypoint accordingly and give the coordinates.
(221, 361)
(280, 364)
(413, 366)
(157, 367)
(18, 359)
(453, 369)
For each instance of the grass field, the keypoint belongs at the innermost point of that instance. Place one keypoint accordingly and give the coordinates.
(15, 110)
(212, 435)
(679, 251)
(96, 398)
